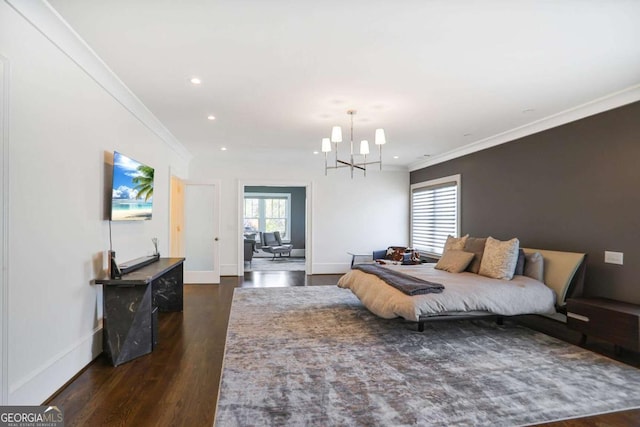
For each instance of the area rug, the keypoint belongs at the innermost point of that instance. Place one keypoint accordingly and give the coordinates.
(277, 264)
(315, 356)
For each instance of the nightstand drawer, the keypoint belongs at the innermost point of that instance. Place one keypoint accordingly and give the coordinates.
(613, 321)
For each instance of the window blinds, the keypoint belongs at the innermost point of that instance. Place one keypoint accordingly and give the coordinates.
(434, 216)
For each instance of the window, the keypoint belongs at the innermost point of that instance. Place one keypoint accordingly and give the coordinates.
(268, 212)
(435, 207)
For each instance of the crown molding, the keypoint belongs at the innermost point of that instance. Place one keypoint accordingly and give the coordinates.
(608, 102)
(49, 23)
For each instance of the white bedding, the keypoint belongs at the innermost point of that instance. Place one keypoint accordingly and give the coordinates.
(463, 292)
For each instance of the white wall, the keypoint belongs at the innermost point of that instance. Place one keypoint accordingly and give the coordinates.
(61, 124)
(359, 215)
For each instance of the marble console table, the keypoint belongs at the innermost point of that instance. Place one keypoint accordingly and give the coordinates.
(131, 305)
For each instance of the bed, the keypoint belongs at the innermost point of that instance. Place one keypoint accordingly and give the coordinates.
(467, 295)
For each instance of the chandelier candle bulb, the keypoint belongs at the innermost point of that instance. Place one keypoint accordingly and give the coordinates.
(336, 137)
(336, 134)
(364, 147)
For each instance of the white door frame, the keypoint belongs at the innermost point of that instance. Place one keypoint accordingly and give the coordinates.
(307, 226)
(4, 231)
(216, 245)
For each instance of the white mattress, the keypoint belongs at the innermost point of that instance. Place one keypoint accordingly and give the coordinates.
(463, 292)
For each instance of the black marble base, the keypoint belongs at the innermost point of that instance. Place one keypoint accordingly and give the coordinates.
(168, 290)
(131, 306)
(128, 322)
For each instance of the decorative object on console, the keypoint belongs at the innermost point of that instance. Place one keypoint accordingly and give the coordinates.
(154, 240)
(336, 137)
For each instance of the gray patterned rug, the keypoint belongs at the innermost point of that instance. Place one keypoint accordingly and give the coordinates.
(314, 356)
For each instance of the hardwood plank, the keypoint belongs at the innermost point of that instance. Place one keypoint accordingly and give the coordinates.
(177, 384)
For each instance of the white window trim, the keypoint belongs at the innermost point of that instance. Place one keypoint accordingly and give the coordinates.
(438, 181)
(286, 196)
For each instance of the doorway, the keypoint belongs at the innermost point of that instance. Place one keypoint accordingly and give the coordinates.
(200, 231)
(268, 207)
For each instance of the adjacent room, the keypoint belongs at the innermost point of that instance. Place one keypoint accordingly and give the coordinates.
(320, 213)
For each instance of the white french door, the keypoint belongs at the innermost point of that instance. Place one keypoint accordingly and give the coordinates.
(201, 232)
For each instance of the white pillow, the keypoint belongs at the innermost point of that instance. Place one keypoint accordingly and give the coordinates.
(500, 258)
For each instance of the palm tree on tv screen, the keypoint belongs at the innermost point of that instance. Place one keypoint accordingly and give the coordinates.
(144, 182)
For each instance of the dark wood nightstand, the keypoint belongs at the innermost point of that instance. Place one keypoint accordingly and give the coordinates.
(613, 321)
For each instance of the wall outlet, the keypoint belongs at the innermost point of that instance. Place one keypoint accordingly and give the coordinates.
(613, 257)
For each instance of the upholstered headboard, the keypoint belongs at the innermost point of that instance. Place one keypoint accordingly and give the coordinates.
(563, 272)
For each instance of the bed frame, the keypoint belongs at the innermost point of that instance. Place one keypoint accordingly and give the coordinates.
(564, 273)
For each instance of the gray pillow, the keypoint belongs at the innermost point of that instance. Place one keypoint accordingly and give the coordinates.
(534, 266)
(520, 264)
(475, 245)
(454, 261)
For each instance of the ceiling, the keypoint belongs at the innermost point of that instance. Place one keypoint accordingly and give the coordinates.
(437, 75)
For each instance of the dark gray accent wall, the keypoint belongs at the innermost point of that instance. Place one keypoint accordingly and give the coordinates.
(298, 210)
(571, 188)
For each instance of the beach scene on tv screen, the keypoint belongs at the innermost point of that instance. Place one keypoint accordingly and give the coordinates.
(132, 197)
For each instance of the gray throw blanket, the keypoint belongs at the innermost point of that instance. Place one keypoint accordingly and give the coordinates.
(403, 282)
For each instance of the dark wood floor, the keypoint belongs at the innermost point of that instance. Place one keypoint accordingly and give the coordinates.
(177, 384)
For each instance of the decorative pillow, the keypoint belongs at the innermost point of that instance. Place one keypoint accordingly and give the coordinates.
(411, 256)
(534, 266)
(499, 259)
(454, 243)
(475, 245)
(395, 253)
(454, 261)
(520, 264)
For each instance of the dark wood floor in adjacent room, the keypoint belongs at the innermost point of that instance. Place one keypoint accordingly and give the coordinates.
(177, 384)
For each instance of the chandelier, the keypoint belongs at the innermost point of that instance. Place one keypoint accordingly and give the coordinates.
(336, 137)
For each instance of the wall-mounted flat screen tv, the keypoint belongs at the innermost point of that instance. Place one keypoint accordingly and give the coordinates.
(132, 193)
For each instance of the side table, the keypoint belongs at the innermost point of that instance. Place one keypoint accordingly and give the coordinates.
(614, 321)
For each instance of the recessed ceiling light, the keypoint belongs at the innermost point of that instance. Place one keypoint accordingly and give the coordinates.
(315, 152)
(396, 157)
(195, 80)
(223, 148)
(211, 117)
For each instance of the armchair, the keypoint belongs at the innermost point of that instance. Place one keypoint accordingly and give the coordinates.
(272, 243)
(249, 248)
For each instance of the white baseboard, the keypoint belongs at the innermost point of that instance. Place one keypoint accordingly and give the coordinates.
(331, 268)
(228, 270)
(45, 380)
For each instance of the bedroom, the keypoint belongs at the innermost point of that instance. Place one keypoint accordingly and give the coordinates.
(582, 169)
